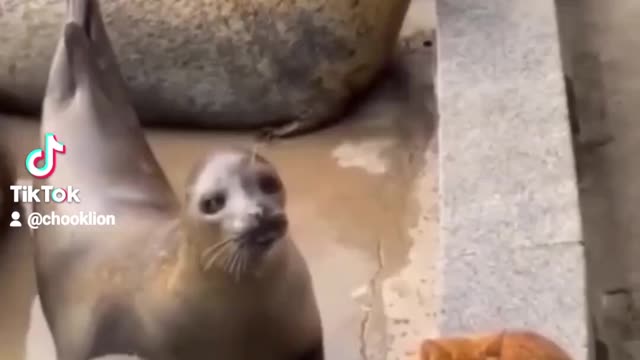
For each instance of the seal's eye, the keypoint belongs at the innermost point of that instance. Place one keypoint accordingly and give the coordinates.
(269, 184)
(213, 203)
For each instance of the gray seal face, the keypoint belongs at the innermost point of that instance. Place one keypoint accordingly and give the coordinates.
(237, 199)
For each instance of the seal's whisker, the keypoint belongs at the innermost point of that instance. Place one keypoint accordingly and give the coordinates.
(220, 251)
(234, 268)
(212, 255)
(239, 266)
(234, 260)
(230, 255)
(228, 263)
(225, 263)
(243, 266)
(236, 275)
(234, 265)
(241, 262)
(214, 247)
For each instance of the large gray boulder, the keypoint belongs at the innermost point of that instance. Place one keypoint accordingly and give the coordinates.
(216, 63)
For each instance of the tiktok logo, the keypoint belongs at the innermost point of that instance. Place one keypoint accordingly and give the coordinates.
(51, 148)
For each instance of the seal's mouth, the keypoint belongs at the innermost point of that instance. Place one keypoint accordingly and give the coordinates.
(265, 233)
(235, 253)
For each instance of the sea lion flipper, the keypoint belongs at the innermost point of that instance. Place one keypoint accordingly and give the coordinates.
(88, 15)
(63, 82)
(60, 84)
(78, 50)
(86, 105)
(78, 11)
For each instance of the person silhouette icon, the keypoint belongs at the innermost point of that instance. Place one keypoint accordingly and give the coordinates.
(15, 219)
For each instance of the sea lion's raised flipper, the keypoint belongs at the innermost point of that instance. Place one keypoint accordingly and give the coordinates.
(79, 55)
(87, 14)
(87, 108)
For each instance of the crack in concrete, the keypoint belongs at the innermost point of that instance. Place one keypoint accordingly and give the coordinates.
(373, 290)
(363, 331)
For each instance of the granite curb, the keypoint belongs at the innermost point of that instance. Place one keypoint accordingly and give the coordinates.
(511, 246)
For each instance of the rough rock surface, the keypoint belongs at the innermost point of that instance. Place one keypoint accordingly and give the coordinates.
(216, 63)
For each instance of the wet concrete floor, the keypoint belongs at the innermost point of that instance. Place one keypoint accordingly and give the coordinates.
(362, 203)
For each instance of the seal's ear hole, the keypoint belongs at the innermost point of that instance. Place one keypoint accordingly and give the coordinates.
(269, 184)
(211, 204)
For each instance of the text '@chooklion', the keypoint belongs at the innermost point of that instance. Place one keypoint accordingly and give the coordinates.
(35, 220)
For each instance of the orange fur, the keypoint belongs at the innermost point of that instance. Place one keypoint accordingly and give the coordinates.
(508, 345)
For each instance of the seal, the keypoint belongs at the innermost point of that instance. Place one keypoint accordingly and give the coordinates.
(213, 276)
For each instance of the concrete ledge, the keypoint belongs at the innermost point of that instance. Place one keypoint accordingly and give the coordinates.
(511, 239)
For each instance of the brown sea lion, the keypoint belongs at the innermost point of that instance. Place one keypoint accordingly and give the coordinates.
(216, 278)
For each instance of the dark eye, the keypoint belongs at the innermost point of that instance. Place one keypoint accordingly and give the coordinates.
(213, 203)
(269, 184)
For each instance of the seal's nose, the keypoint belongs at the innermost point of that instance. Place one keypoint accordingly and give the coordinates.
(268, 229)
(274, 224)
